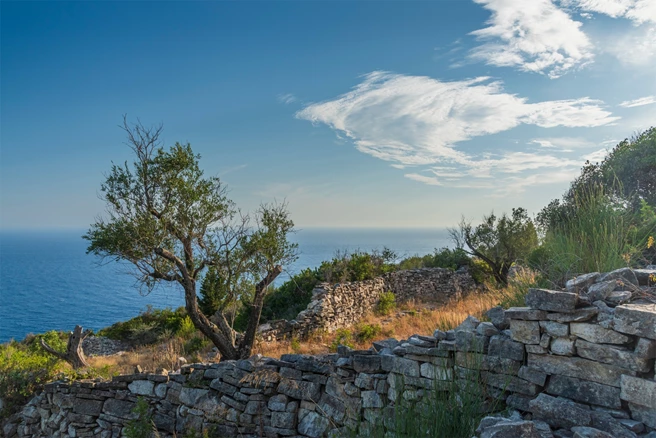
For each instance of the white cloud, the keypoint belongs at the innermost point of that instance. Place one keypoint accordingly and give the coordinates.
(647, 100)
(639, 11)
(562, 143)
(533, 36)
(419, 121)
(596, 156)
(287, 98)
(636, 48)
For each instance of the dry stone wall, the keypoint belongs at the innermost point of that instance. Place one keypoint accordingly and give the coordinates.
(574, 363)
(339, 305)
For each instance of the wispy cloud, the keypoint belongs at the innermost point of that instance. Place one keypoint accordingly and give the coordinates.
(287, 98)
(639, 11)
(647, 100)
(636, 48)
(419, 121)
(232, 169)
(562, 143)
(534, 36)
(596, 156)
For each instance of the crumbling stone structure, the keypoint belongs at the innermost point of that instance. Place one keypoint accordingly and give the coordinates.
(340, 305)
(575, 363)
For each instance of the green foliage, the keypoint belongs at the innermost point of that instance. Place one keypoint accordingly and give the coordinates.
(498, 241)
(295, 345)
(367, 332)
(357, 266)
(23, 370)
(151, 326)
(596, 234)
(291, 297)
(441, 258)
(195, 344)
(342, 337)
(386, 303)
(142, 426)
(171, 222)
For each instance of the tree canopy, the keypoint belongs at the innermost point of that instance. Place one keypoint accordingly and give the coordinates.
(498, 241)
(171, 223)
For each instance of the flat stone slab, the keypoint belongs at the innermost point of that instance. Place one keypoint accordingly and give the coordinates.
(526, 332)
(610, 354)
(581, 282)
(551, 300)
(559, 412)
(597, 334)
(525, 313)
(636, 319)
(639, 391)
(585, 391)
(579, 315)
(580, 368)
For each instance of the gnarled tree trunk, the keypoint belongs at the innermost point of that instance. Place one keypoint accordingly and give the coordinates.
(73, 354)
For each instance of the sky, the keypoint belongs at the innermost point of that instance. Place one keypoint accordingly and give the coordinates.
(356, 113)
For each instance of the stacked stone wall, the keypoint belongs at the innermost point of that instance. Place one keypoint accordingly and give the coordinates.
(574, 363)
(334, 306)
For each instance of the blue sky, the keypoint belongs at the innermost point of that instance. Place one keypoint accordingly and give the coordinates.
(359, 114)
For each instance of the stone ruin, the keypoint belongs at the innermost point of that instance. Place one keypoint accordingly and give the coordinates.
(574, 363)
(334, 306)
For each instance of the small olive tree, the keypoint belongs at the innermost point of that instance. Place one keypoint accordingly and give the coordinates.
(171, 223)
(498, 241)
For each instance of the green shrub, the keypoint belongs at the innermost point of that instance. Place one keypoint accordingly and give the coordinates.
(357, 266)
(142, 426)
(291, 297)
(150, 326)
(295, 345)
(367, 332)
(342, 337)
(598, 235)
(195, 344)
(386, 303)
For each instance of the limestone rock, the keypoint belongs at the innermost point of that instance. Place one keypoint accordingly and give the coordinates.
(551, 300)
(498, 317)
(584, 391)
(589, 432)
(313, 425)
(511, 429)
(559, 412)
(636, 319)
(639, 391)
(578, 315)
(554, 329)
(599, 291)
(625, 275)
(579, 368)
(526, 332)
(581, 283)
(595, 333)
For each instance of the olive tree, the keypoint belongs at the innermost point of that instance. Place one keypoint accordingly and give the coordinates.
(170, 222)
(498, 241)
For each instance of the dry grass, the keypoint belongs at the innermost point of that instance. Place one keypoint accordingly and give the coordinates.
(407, 319)
(410, 318)
(149, 358)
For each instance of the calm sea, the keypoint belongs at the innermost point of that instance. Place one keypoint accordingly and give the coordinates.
(47, 282)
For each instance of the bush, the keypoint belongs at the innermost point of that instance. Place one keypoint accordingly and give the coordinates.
(342, 337)
(386, 303)
(598, 235)
(357, 266)
(293, 296)
(367, 332)
(142, 426)
(151, 326)
(195, 344)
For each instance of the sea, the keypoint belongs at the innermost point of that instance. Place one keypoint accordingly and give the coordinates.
(48, 282)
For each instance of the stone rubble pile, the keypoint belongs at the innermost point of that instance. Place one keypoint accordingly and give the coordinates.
(567, 365)
(334, 306)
